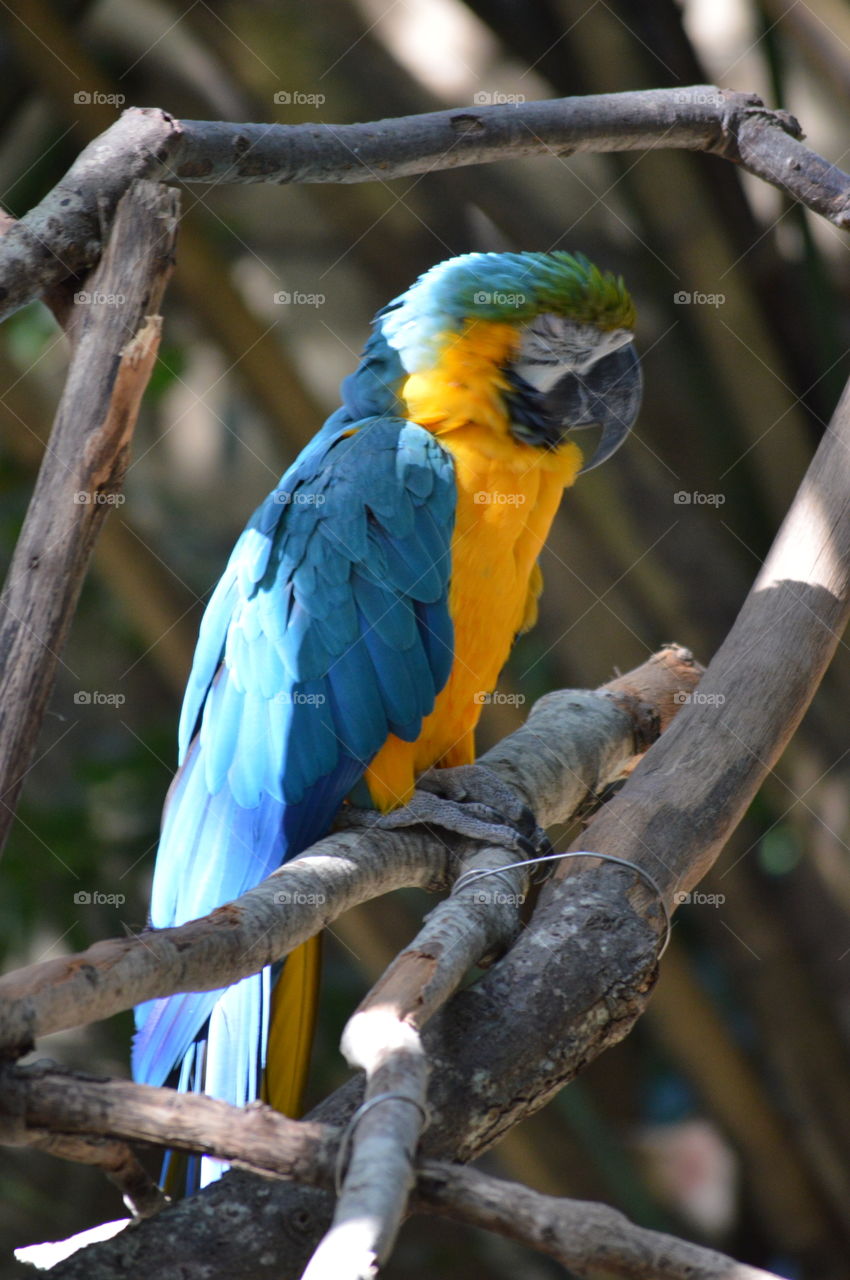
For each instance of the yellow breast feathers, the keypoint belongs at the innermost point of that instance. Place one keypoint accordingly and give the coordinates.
(508, 493)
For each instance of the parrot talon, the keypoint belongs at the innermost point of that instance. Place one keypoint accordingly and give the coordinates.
(469, 801)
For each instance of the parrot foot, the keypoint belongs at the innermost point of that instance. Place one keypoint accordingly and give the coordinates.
(470, 801)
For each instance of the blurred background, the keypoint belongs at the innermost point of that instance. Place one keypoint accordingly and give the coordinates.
(725, 1117)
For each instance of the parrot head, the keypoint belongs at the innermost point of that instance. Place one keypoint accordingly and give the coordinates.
(558, 332)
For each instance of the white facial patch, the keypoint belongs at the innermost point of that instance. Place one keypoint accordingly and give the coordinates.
(552, 345)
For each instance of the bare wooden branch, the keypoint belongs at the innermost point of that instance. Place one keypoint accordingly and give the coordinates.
(381, 1142)
(61, 236)
(578, 977)
(459, 933)
(141, 1194)
(572, 745)
(580, 960)
(753, 694)
(481, 918)
(585, 1237)
(234, 941)
(46, 1098)
(116, 335)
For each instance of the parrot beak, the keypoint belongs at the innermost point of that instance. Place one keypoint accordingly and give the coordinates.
(608, 395)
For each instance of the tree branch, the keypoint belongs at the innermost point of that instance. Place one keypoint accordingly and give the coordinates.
(584, 1237)
(573, 743)
(116, 332)
(754, 692)
(380, 1147)
(115, 1160)
(598, 929)
(578, 977)
(45, 1097)
(479, 919)
(62, 235)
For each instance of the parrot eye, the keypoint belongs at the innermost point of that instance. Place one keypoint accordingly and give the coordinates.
(552, 346)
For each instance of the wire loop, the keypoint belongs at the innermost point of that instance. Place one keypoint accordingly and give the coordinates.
(478, 873)
(343, 1154)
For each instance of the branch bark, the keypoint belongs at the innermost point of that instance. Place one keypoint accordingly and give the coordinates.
(584, 1237)
(579, 976)
(596, 929)
(379, 1149)
(754, 692)
(587, 737)
(45, 1097)
(61, 236)
(142, 1196)
(116, 337)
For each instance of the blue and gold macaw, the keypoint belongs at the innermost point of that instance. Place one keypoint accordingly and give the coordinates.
(371, 600)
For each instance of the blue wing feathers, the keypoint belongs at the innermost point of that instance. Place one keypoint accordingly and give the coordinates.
(394, 511)
(437, 632)
(208, 652)
(303, 822)
(409, 569)
(329, 628)
(247, 773)
(407, 684)
(387, 612)
(304, 652)
(268, 667)
(347, 536)
(432, 539)
(359, 721)
(220, 729)
(338, 628)
(332, 570)
(312, 746)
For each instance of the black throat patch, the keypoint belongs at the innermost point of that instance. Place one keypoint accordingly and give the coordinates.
(531, 414)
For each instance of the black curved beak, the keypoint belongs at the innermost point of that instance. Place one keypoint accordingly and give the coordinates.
(607, 396)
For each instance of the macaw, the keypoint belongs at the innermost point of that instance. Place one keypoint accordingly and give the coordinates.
(370, 602)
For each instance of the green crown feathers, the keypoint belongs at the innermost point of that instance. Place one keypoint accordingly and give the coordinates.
(503, 287)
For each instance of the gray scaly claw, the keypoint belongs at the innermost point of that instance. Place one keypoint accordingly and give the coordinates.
(470, 801)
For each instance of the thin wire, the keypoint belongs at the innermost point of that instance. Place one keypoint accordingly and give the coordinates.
(469, 876)
(344, 1151)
